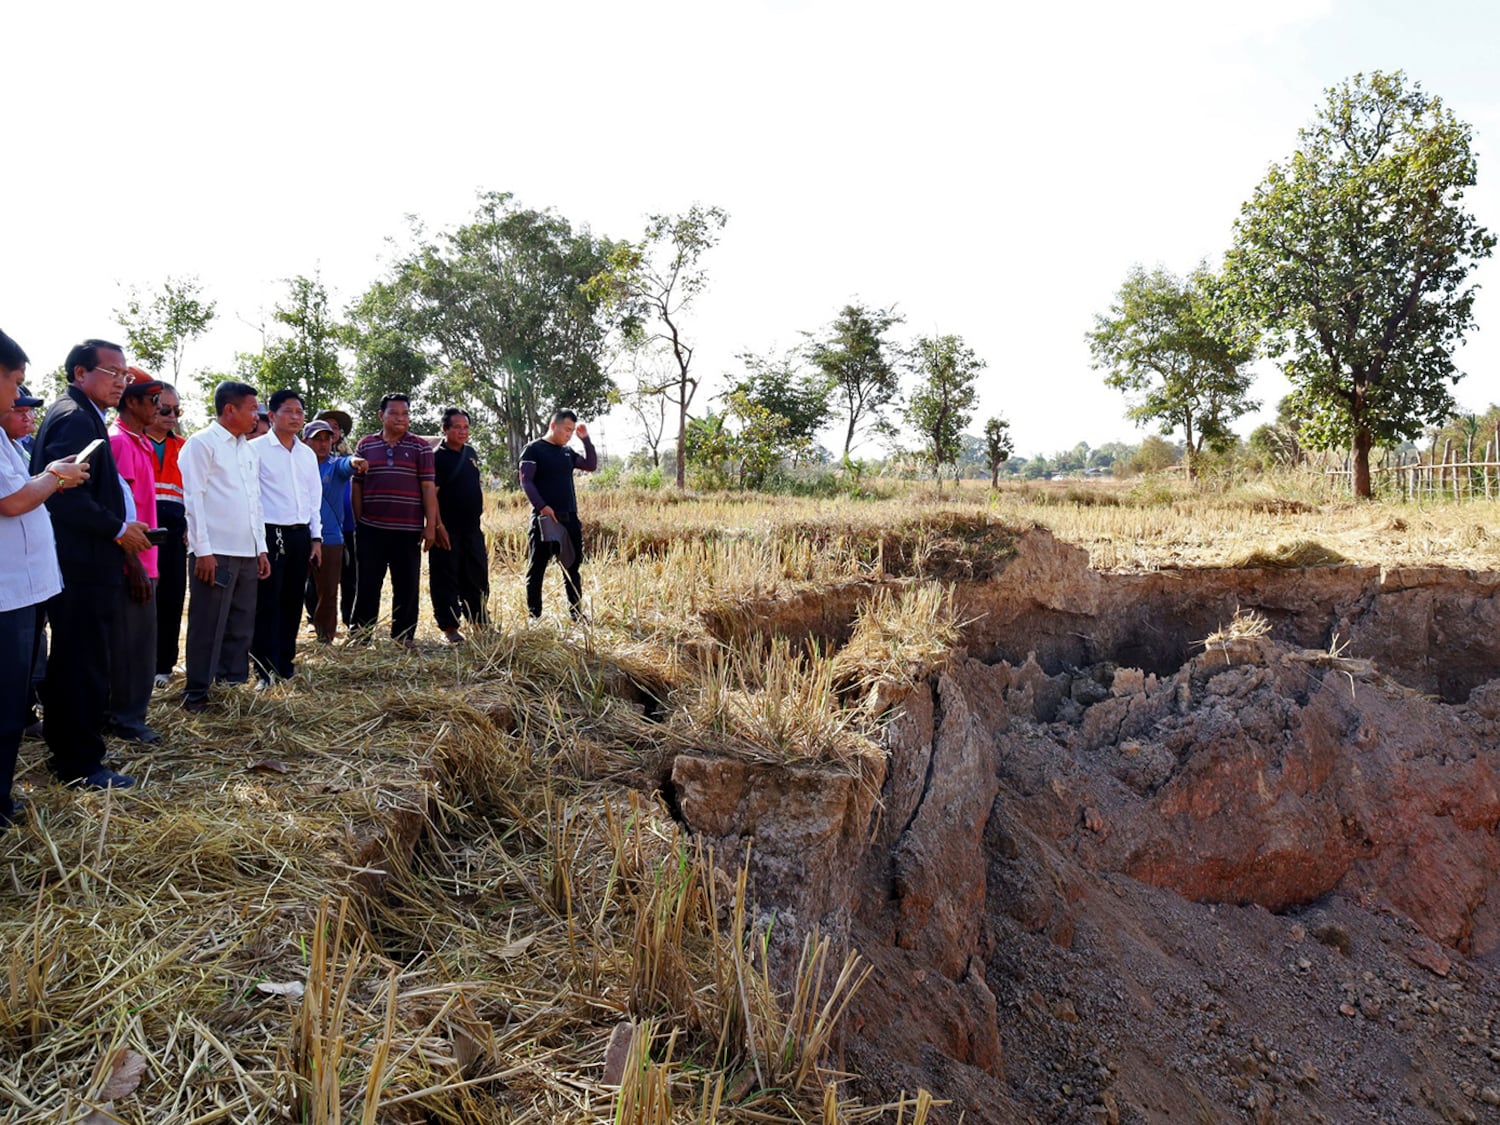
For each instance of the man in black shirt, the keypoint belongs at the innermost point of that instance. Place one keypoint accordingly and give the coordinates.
(547, 466)
(458, 569)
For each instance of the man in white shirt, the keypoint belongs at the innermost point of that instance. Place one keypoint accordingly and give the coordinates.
(291, 500)
(226, 544)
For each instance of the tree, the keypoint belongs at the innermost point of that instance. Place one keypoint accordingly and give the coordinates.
(997, 447)
(501, 311)
(776, 385)
(943, 401)
(653, 283)
(387, 356)
(1355, 255)
(159, 327)
(853, 357)
(305, 358)
(1176, 357)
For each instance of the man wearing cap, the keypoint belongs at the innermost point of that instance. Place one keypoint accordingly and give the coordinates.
(335, 473)
(291, 499)
(31, 571)
(226, 544)
(342, 426)
(171, 516)
(132, 648)
(93, 538)
(19, 422)
(395, 506)
(547, 467)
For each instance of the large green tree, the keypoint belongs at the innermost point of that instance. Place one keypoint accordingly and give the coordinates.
(501, 312)
(1355, 255)
(1168, 344)
(858, 361)
(652, 284)
(159, 326)
(942, 403)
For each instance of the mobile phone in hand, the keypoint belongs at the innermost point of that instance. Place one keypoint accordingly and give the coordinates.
(156, 536)
(89, 450)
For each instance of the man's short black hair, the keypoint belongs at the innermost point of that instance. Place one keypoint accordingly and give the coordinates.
(230, 393)
(278, 397)
(564, 412)
(394, 396)
(12, 358)
(454, 412)
(86, 356)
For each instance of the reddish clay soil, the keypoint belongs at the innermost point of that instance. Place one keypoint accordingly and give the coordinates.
(1106, 874)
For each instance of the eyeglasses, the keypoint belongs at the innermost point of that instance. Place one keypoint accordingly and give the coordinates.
(169, 411)
(116, 372)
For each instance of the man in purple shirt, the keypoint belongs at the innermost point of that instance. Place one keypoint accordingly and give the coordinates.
(395, 506)
(547, 467)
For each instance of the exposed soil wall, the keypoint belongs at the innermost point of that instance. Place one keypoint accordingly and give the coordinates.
(1113, 876)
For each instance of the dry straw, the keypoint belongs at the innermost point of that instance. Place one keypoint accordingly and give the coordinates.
(427, 886)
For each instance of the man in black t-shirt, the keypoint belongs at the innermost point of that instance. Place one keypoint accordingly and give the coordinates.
(547, 467)
(458, 566)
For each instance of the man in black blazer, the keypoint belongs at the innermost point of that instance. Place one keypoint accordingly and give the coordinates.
(93, 536)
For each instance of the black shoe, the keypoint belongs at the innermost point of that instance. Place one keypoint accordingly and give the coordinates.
(194, 706)
(142, 734)
(103, 778)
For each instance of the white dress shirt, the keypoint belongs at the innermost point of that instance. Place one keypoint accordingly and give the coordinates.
(291, 488)
(26, 542)
(221, 492)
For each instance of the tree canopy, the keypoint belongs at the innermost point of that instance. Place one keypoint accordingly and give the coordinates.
(652, 284)
(1179, 361)
(1355, 255)
(159, 326)
(942, 403)
(500, 311)
(855, 357)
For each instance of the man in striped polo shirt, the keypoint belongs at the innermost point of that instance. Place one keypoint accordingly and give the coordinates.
(395, 506)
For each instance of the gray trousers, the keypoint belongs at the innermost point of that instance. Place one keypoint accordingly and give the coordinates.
(221, 622)
(132, 661)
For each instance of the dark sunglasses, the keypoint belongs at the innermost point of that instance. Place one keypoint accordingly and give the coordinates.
(169, 411)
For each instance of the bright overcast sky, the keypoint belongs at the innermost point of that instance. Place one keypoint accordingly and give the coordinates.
(992, 172)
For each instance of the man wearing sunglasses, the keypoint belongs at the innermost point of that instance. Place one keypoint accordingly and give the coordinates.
(132, 649)
(172, 555)
(93, 538)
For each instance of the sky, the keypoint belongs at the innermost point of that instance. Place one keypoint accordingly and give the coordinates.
(991, 170)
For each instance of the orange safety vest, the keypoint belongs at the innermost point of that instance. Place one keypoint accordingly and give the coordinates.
(168, 475)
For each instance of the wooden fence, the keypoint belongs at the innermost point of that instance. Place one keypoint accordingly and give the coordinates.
(1431, 476)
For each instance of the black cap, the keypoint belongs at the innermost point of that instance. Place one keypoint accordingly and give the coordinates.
(26, 400)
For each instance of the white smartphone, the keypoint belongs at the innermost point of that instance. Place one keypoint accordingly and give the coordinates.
(89, 450)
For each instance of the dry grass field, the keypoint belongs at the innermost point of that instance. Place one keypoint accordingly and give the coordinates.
(436, 886)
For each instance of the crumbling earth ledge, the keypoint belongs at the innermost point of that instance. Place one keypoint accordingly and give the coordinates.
(1112, 875)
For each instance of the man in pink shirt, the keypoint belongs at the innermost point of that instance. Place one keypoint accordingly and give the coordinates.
(133, 638)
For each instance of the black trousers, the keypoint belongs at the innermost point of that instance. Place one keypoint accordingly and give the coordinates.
(381, 549)
(17, 642)
(459, 578)
(171, 587)
(536, 564)
(75, 694)
(278, 601)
